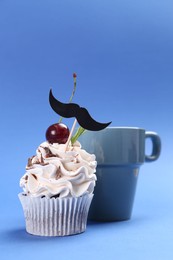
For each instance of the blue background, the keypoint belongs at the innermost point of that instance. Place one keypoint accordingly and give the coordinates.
(122, 52)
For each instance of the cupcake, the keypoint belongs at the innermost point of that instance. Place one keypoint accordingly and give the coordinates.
(58, 188)
(59, 180)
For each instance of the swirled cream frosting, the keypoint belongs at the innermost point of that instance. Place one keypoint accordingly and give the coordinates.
(55, 172)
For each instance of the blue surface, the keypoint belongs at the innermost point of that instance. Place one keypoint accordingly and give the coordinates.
(122, 54)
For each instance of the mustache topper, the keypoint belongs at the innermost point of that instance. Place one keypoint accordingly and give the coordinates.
(74, 110)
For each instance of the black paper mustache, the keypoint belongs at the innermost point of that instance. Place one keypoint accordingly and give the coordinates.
(74, 110)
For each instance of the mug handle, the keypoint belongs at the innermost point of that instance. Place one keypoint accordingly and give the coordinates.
(156, 142)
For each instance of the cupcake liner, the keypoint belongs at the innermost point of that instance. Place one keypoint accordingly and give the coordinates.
(55, 216)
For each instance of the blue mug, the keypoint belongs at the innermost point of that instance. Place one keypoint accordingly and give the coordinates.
(120, 151)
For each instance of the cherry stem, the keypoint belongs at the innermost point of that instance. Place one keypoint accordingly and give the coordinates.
(70, 135)
(72, 95)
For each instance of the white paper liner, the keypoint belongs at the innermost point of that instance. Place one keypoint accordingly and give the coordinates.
(55, 216)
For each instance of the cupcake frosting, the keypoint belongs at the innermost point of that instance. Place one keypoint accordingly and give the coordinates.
(54, 171)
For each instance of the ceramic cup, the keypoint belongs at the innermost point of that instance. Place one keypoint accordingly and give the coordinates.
(120, 151)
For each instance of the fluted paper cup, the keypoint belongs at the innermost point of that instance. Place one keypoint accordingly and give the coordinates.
(55, 216)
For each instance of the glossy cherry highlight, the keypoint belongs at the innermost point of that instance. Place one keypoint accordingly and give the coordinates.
(57, 133)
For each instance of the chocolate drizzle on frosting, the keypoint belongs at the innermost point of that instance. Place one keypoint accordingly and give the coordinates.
(56, 172)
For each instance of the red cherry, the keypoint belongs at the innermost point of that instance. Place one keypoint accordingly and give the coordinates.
(57, 133)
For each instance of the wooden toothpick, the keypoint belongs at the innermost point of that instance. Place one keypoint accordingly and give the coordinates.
(70, 135)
